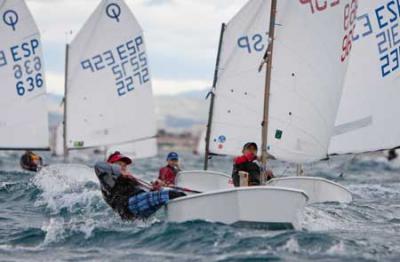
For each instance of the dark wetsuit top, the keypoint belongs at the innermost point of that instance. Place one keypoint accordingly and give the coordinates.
(247, 164)
(116, 188)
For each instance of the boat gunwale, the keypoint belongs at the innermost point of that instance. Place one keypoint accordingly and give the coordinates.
(238, 189)
(309, 178)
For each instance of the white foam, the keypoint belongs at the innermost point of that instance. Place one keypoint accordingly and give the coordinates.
(63, 186)
(54, 230)
(368, 191)
(337, 249)
(316, 219)
(291, 246)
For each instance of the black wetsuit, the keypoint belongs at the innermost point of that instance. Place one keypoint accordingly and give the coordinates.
(117, 189)
(251, 167)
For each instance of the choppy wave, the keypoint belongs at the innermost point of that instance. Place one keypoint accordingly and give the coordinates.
(59, 214)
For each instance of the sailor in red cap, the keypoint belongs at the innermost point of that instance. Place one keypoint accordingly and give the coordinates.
(130, 197)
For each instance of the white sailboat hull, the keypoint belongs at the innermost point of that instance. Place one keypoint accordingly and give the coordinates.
(204, 181)
(319, 190)
(269, 207)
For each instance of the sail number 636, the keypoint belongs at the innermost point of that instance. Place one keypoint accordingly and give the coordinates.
(28, 75)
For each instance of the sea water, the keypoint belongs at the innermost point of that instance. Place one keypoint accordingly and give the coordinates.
(59, 215)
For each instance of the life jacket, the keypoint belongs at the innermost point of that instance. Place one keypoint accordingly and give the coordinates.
(168, 174)
(247, 164)
(116, 188)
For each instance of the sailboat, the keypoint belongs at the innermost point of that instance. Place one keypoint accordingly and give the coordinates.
(288, 106)
(23, 114)
(294, 119)
(367, 115)
(108, 91)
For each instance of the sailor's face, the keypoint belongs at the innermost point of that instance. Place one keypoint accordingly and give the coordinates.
(35, 160)
(173, 162)
(251, 149)
(123, 165)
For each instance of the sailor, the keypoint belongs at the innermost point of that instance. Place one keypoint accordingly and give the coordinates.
(31, 161)
(127, 195)
(247, 162)
(167, 174)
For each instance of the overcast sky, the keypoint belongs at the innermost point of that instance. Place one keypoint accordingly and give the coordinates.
(181, 35)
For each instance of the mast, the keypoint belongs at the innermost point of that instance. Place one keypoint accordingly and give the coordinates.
(211, 111)
(65, 102)
(268, 60)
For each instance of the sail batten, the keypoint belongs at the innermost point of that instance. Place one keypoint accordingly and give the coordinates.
(23, 104)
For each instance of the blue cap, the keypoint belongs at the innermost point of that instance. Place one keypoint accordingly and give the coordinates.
(172, 156)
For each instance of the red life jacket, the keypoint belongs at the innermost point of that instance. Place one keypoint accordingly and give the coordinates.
(246, 163)
(168, 174)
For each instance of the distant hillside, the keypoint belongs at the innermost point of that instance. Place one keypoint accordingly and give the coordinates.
(175, 113)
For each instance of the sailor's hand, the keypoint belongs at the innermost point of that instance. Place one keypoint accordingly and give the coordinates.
(157, 185)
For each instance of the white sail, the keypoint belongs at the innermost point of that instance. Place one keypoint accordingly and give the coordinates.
(306, 85)
(368, 118)
(137, 150)
(109, 93)
(23, 109)
(238, 104)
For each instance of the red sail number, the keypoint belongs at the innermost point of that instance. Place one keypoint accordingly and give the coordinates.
(320, 5)
(350, 13)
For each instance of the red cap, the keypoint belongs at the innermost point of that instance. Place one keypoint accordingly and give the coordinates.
(117, 156)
